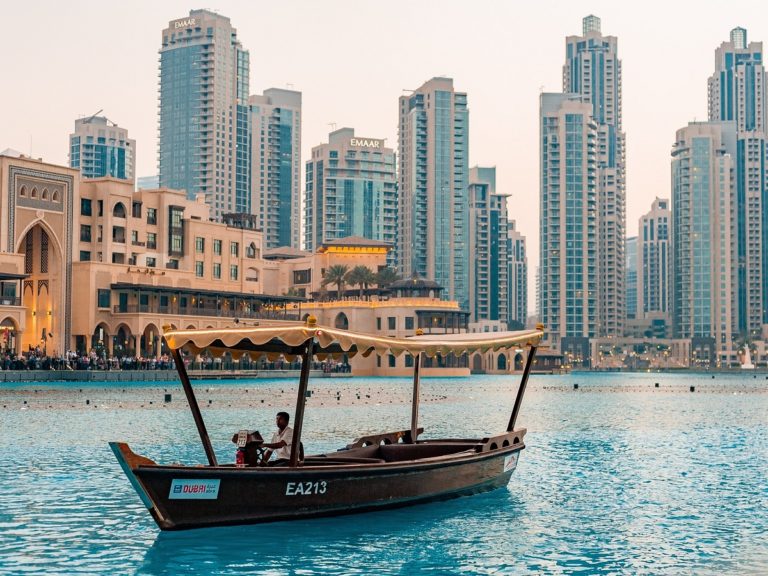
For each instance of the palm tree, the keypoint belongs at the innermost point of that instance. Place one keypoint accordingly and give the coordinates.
(361, 275)
(336, 274)
(386, 276)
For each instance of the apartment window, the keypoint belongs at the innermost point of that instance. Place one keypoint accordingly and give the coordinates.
(85, 206)
(392, 323)
(134, 237)
(136, 209)
(199, 270)
(103, 297)
(409, 322)
(118, 234)
(151, 215)
(392, 361)
(217, 247)
(233, 272)
(217, 270)
(302, 276)
(85, 256)
(176, 231)
(151, 262)
(101, 207)
(378, 323)
(234, 249)
(151, 240)
(85, 233)
(199, 244)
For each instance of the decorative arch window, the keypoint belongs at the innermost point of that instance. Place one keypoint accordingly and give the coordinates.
(44, 195)
(251, 251)
(252, 275)
(34, 193)
(23, 191)
(119, 210)
(55, 196)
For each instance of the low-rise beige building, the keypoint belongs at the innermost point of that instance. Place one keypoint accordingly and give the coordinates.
(90, 264)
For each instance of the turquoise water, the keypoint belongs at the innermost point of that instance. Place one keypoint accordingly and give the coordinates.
(618, 477)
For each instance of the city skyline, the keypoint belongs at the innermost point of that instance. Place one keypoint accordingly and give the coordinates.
(503, 90)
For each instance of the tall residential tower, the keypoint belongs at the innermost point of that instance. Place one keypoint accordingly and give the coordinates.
(433, 239)
(568, 231)
(99, 147)
(703, 302)
(593, 70)
(737, 93)
(204, 120)
(351, 190)
(276, 165)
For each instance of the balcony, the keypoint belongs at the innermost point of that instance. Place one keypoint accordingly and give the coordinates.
(262, 314)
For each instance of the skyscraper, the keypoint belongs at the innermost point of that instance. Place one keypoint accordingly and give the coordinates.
(593, 70)
(204, 120)
(631, 276)
(703, 304)
(653, 262)
(568, 231)
(488, 268)
(433, 239)
(737, 93)
(517, 278)
(351, 190)
(99, 147)
(276, 165)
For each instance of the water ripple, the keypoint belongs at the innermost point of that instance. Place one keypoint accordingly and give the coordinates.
(618, 478)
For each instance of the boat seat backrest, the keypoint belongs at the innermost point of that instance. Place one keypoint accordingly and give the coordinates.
(401, 452)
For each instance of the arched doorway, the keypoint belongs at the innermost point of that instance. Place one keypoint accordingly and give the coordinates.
(8, 336)
(42, 289)
(341, 322)
(101, 341)
(123, 342)
(518, 361)
(477, 363)
(150, 342)
(501, 362)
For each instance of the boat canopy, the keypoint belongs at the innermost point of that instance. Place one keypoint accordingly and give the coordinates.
(289, 340)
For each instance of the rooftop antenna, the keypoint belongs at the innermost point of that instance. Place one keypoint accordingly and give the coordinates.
(92, 116)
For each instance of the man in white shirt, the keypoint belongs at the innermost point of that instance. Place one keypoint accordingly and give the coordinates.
(281, 442)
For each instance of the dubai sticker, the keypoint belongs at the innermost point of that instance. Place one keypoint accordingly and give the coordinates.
(194, 490)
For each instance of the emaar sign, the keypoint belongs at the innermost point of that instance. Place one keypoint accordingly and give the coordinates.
(366, 143)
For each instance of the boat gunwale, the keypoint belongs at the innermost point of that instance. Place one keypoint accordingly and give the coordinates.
(444, 460)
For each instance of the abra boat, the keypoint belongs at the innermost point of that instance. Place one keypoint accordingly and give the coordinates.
(373, 472)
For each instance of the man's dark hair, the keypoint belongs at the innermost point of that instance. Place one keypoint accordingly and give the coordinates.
(284, 415)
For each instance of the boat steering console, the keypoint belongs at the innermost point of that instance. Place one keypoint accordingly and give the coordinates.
(249, 448)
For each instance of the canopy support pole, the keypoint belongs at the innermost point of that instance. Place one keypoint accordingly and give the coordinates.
(306, 361)
(521, 389)
(192, 401)
(415, 401)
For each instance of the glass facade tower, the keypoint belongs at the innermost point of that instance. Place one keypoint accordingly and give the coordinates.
(568, 232)
(204, 120)
(99, 147)
(276, 165)
(737, 93)
(593, 71)
(433, 239)
(703, 193)
(351, 190)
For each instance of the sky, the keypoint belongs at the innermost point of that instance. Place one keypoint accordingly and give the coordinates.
(352, 59)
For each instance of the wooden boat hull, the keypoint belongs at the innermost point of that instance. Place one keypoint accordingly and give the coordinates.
(181, 497)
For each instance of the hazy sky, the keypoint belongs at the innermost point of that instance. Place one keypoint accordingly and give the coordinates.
(352, 59)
